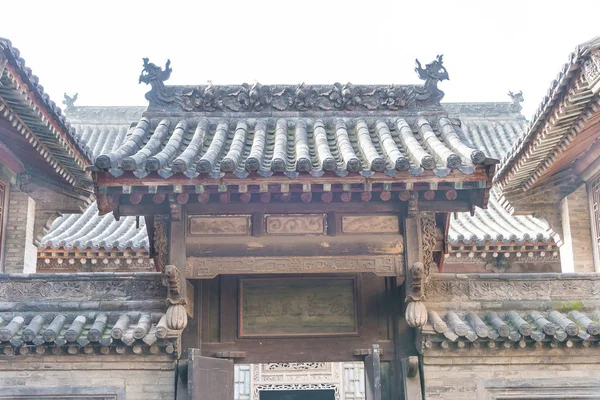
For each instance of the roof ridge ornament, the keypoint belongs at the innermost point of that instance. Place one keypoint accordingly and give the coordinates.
(517, 98)
(433, 73)
(69, 101)
(155, 76)
(260, 98)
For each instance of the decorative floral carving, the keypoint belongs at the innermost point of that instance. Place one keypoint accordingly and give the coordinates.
(160, 248)
(489, 290)
(428, 234)
(296, 366)
(253, 98)
(396, 97)
(298, 386)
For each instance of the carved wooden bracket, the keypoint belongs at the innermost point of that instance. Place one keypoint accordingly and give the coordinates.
(161, 241)
(173, 282)
(416, 313)
(415, 280)
(428, 237)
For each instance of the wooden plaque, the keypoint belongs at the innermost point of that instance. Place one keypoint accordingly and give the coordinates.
(276, 307)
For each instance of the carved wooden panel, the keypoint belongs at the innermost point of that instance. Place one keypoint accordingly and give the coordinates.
(297, 307)
(209, 267)
(370, 224)
(306, 224)
(222, 225)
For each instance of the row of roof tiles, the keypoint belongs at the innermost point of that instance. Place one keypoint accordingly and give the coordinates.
(34, 115)
(497, 225)
(103, 130)
(90, 333)
(92, 231)
(514, 326)
(292, 147)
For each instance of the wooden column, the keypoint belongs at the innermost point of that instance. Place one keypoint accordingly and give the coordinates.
(407, 386)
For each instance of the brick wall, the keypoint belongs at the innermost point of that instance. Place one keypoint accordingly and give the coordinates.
(576, 253)
(20, 251)
(138, 377)
(518, 373)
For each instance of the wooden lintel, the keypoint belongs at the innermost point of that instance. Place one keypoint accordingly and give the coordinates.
(210, 267)
(128, 179)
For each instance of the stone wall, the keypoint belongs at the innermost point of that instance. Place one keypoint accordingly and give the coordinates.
(20, 251)
(130, 377)
(516, 374)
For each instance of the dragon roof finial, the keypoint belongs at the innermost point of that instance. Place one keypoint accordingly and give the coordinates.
(154, 73)
(517, 99)
(69, 101)
(433, 73)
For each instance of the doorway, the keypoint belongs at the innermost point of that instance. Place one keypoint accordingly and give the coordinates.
(297, 395)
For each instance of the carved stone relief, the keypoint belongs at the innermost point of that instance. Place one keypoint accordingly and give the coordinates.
(79, 290)
(209, 267)
(446, 290)
(370, 224)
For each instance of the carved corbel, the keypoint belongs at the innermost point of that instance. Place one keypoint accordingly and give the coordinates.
(160, 243)
(416, 313)
(428, 238)
(175, 208)
(176, 313)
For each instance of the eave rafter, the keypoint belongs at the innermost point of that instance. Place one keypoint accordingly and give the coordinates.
(36, 117)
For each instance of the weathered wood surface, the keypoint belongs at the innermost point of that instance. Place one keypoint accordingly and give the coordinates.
(209, 378)
(297, 307)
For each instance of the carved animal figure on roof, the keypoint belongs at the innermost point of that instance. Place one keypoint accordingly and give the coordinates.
(517, 99)
(69, 101)
(433, 73)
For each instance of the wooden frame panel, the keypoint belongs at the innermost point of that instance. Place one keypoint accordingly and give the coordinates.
(337, 306)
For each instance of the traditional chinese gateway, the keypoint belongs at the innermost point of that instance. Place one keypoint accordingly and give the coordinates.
(298, 233)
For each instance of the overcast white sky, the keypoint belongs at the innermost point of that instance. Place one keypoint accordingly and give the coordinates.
(96, 48)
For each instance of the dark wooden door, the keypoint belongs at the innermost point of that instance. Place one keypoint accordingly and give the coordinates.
(209, 378)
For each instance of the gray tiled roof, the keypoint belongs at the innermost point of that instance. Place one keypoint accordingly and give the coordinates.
(498, 225)
(292, 146)
(511, 328)
(40, 120)
(557, 121)
(85, 332)
(489, 126)
(91, 231)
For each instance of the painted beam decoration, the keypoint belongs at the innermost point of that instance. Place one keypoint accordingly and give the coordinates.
(297, 307)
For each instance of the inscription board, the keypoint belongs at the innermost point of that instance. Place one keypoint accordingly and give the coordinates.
(223, 226)
(370, 224)
(295, 224)
(297, 307)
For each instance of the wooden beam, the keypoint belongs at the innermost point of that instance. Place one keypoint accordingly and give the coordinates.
(153, 179)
